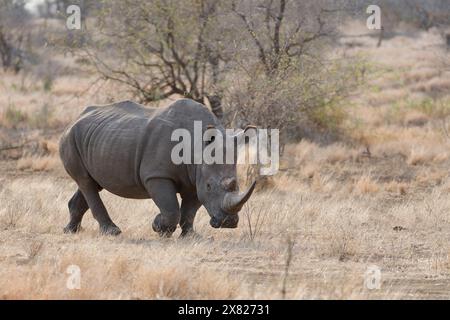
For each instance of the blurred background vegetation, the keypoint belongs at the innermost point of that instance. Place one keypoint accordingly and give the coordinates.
(271, 63)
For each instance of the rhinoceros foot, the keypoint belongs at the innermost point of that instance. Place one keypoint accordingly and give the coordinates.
(72, 228)
(110, 230)
(163, 230)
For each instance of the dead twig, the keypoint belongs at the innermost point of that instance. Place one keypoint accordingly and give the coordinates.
(12, 147)
(290, 245)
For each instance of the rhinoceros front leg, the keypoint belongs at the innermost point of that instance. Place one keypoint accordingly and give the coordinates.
(189, 207)
(164, 194)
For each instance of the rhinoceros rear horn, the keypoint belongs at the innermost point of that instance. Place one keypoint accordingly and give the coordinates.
(233, 201)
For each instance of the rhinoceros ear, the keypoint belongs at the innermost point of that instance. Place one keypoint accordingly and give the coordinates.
(240, 140)
(238, 135)
(250, 126)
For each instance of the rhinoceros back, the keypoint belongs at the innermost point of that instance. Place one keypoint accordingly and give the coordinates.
(109, 142)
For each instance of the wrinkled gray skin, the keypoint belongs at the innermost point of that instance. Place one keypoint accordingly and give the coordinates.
(125, 148)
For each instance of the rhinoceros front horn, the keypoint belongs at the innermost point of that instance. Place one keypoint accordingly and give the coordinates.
(233, 201)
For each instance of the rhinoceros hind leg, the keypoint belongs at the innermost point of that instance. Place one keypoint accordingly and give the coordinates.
(90, 192)
(163, 193)
(77, 208)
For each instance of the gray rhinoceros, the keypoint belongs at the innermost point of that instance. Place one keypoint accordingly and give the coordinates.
(125, 148)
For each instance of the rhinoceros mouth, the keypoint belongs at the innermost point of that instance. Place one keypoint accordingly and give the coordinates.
(230, 222)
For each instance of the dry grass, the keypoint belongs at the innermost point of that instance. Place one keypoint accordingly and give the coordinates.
(366, 185)
(120, 278)
(335, 235)
(400, 188)
(44, 163)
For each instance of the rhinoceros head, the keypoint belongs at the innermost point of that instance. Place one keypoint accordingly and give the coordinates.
(218, 190)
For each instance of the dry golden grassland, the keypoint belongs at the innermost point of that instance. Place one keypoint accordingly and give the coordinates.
(332, 212)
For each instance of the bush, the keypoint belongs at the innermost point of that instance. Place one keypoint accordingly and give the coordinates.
(305, 100)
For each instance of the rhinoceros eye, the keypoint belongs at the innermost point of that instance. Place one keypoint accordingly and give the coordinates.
(208, 187)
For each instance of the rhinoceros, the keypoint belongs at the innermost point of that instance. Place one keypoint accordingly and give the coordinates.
(125, 148)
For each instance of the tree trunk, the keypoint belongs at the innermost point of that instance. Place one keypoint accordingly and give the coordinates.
(380, 37)
(5, 51)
